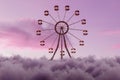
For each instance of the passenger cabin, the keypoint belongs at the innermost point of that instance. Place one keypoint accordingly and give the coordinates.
(56, 7)
(42, 43)
(46, 13)
(73, 50)
(85, 32)
(62, 51)
(40, 22)
(62, 54)
(81, 43)
(83, 21)
(67, 8)
(50, 50)
(38, 32)
(77, 13)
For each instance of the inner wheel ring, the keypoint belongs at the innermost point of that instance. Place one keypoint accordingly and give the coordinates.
(61, 27)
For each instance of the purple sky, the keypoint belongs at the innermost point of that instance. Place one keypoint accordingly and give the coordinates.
(18, 25)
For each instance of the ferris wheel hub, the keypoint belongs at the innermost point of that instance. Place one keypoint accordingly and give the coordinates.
(61, 27)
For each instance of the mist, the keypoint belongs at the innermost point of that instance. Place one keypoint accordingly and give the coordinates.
(88, 68)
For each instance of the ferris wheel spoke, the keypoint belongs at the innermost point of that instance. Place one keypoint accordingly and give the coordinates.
(69, 41)
(46, 13)
(56, 8)
(54, 42)
(67, 8)
(48, 36)
(58, 15)
(76, 29)
(52, 18)
(70, 18)
(64, 15)
(75, 23)
(74, 36)
(47, 29)
(76, 13)
(48, 22)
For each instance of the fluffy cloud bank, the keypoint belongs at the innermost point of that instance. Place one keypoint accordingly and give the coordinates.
(18, 68)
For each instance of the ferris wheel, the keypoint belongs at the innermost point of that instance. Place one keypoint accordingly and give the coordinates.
(61, 28)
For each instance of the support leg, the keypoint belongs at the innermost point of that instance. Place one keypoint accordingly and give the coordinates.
(66, 46)
(56, 48)
(62, 52)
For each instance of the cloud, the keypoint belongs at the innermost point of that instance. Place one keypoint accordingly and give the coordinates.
(21, 33)
(111, 32)
(116, 47)
(18, 68)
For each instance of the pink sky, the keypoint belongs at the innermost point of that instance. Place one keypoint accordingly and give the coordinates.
(18, 25)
